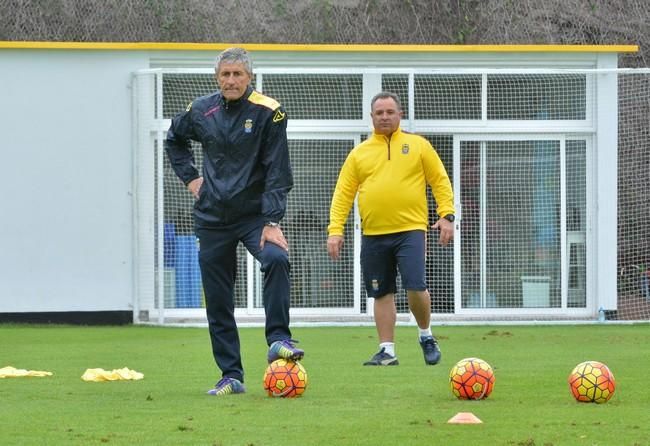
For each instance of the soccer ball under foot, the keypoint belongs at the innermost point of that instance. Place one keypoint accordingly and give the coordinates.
(284, 378)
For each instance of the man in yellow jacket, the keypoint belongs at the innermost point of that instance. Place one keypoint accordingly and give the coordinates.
(390, 172)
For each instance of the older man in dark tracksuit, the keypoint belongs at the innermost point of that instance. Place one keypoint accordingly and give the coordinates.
(241, 196)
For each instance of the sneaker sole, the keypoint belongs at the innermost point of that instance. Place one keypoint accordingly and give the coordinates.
(395, 362)
(214, 392)
(288, 358)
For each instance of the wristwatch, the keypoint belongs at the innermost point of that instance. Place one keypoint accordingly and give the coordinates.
(450, 217)
(272, 224)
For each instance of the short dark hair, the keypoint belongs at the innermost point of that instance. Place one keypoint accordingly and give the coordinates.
(235, 55)
(386, 95)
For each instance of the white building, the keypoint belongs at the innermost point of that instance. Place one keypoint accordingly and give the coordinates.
(528, 132)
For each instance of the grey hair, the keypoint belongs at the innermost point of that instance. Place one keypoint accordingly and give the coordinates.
(234, 55)
(386, 95)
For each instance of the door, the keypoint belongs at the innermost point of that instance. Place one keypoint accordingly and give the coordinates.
(517, 244)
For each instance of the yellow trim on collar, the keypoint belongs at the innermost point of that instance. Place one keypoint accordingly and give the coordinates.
(258, 98)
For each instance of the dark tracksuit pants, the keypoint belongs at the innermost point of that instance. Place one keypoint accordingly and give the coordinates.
(218, 262)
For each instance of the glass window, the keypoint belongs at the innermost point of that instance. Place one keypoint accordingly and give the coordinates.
(317, 96)
(179, 89)
(576, 215)
(537, 97)
(513, 226)
(399, 84)
(447, 96)
(316, 280)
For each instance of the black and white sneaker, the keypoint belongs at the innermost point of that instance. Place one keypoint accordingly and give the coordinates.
(382, 358)
(430, 350)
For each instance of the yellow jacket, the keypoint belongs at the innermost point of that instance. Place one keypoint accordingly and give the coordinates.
(390, 176)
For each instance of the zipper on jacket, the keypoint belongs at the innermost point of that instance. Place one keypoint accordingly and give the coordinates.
(388, 141)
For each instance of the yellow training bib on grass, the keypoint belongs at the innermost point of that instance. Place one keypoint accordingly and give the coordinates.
(11, 372)
(98, 375)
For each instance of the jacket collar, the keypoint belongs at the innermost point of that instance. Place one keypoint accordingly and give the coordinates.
(397, 132)
(236, 102)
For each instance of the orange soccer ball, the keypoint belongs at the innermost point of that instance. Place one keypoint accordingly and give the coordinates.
(592, 382)
(471, 379)
(284, 378)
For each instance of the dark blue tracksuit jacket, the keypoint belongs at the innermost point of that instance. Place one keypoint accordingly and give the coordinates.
(246, 169)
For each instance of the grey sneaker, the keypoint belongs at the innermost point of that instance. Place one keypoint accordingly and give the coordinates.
(430, 350)
(382, 358)
(226, 386)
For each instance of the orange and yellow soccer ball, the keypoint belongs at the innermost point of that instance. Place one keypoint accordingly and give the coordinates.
(592, 382)
(471, 379)
(284, 378)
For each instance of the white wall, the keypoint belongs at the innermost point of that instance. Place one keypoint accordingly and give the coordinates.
(65, 187)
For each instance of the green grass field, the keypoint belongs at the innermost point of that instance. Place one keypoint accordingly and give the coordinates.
(345, 403)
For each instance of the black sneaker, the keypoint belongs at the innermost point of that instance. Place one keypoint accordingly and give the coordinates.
(430, 350)
(382, 358)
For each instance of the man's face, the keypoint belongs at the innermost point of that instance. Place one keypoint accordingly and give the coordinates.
(232, 79)
(385, 116)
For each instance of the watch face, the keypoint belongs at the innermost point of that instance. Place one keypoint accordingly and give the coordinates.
(450, 217)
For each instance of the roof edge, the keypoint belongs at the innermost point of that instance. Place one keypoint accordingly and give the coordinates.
(171, 46)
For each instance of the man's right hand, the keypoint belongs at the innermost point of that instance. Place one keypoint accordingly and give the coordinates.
(334, 245)
(194, 187)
